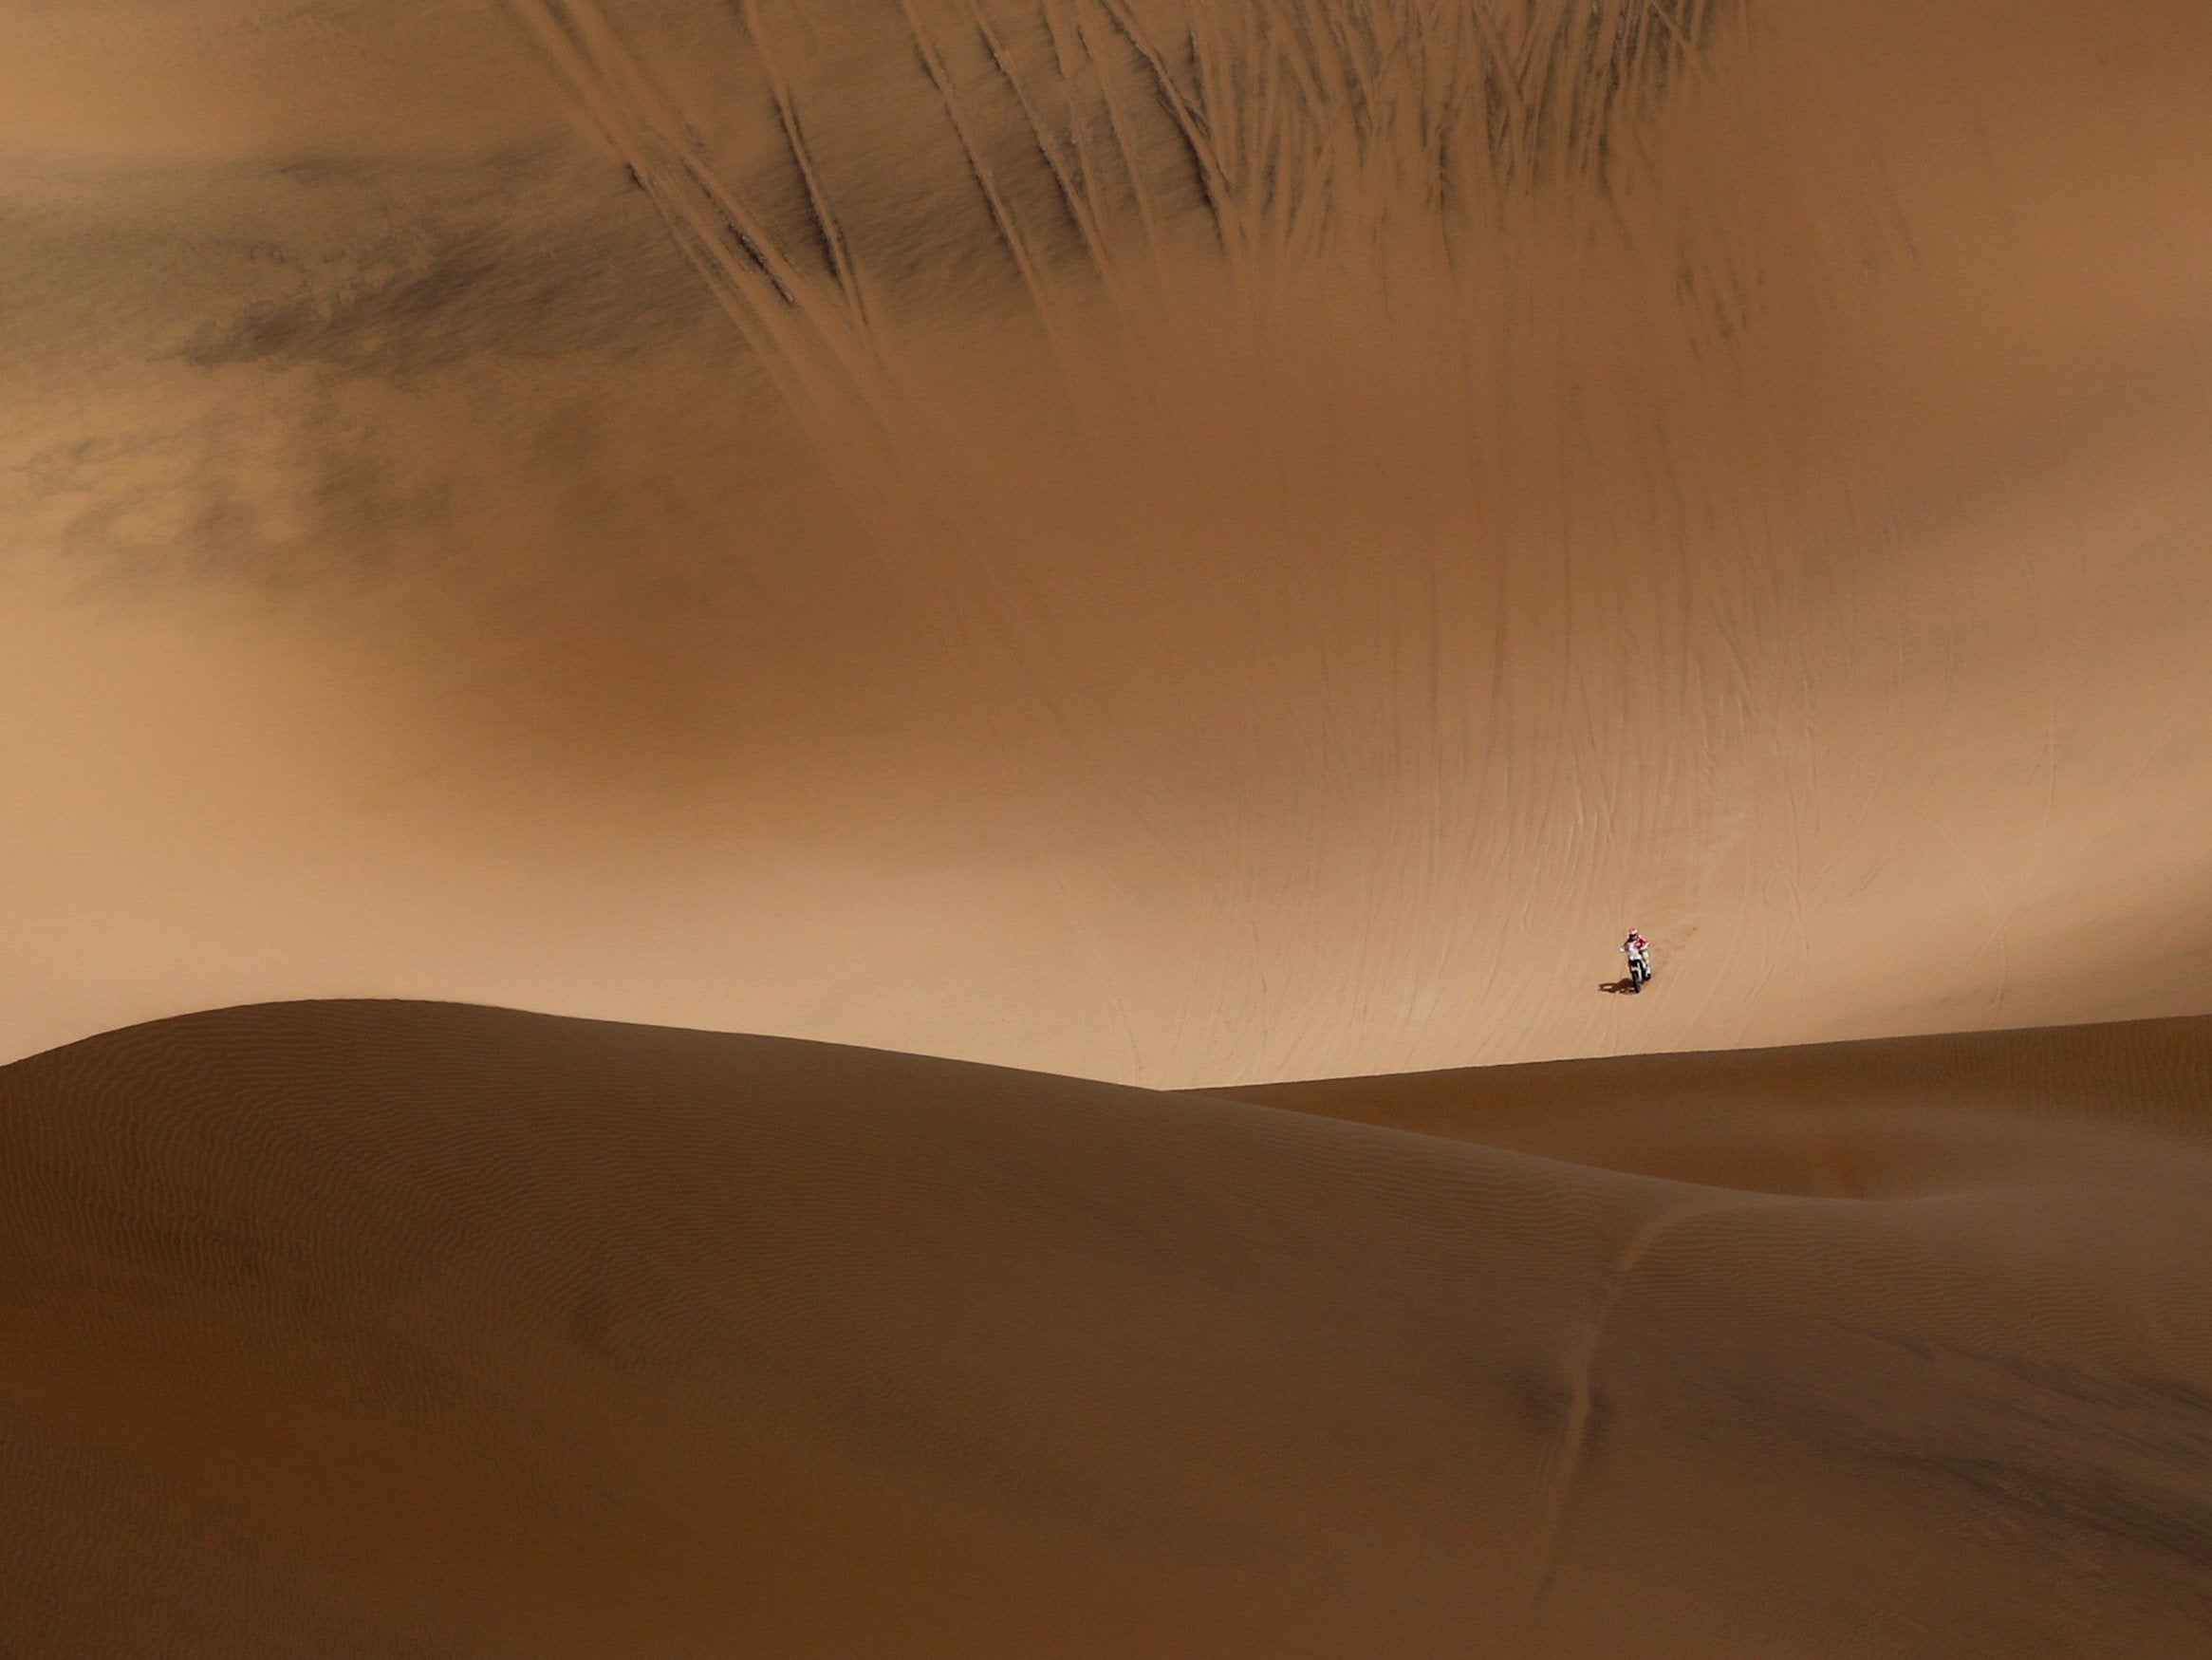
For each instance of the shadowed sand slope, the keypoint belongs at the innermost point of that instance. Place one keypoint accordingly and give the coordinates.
(386, 1329)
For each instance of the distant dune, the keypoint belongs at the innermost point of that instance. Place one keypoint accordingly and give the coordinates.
(380, 1329)
(1867, 1119)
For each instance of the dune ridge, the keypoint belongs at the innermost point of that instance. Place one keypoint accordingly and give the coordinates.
(1811, 1117)
(381, 1327)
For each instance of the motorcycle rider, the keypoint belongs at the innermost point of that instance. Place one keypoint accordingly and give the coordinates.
(1638, 950)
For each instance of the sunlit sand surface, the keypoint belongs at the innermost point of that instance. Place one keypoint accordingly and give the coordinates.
(1184, 547)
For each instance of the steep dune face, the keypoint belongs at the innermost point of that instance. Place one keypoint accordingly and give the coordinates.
(389, 1328)
(1173, 542)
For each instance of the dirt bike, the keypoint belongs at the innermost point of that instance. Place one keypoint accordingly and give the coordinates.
(1638, 970)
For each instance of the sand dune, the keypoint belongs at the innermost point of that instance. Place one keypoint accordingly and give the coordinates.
(382, 1328)
(1191, 543)
(1186, 545)
(1845, 1120)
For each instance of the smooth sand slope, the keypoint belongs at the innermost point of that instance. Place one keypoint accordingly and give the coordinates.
(1185, 543)
(1863, 1120)
(379, 1328)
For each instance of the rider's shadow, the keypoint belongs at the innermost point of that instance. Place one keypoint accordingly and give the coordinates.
(1628, 984)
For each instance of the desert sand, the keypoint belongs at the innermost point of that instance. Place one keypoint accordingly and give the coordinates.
(1031, 534)
(812, 816)
(379, 1328)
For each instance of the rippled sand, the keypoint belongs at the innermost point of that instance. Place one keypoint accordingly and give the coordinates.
(1178, 548)
(1182, 546)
